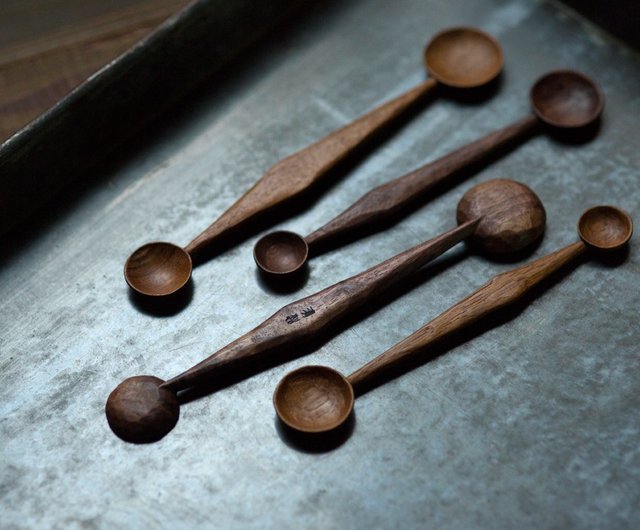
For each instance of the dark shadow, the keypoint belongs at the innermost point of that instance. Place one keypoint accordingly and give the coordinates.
(285, 353)
(611, 259)
(163, 306)
(315, 443)
(476, 96)
(283, 283)
(574, 136)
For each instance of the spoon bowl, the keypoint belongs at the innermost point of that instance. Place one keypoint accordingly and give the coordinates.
(139, 410)
(314, 399)
(605, 228)
(281, 252)
(463, 58)
(158, 269)
(511, 215)
(567, 99)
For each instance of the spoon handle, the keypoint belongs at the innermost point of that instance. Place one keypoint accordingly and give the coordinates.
(500, 291)
(386, 199)
(294, 174)
(303, 318)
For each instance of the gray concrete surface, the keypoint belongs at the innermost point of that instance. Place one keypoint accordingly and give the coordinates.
(531, 424)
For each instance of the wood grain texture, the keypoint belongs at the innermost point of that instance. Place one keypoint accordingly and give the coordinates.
(302, 319)
(297, 172)
(49, 47)
(498, 292)
(601, 228)
(386, 199)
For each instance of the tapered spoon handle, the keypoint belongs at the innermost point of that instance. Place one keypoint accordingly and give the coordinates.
(302, 319)
(388, 198)
(500, 291)
(296, 173)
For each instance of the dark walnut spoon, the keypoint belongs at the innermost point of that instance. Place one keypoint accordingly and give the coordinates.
(501, 216)
(562, 99)
(463, 58)
(318, 399)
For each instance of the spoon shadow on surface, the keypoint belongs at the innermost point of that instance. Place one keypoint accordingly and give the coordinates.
(163, 306)
(563, 100)
(318, 399)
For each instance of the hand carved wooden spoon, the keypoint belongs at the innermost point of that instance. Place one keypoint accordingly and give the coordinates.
(501, 215)
(461, 57)
(562, 99)
(317, 399)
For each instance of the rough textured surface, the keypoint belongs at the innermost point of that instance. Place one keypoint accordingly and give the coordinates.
(532, 424)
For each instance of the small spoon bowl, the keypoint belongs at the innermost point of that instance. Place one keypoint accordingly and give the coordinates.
(567, 99)
(463, 57)
(281, 252)
(314, 399)
(140, 411)
(605, 228)
(158, 269)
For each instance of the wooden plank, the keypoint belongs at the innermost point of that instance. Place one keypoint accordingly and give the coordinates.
(48, 47)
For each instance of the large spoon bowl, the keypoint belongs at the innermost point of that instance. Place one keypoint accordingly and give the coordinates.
(139, 410)
(567, 99)
(463, 57)
(158, 269)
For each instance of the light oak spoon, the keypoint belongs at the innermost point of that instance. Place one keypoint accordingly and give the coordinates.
(498, 214)
(562, 99)
(318, 399)
(463, 58)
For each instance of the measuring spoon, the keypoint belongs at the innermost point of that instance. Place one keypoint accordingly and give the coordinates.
(499, 215)
(562, 99)
(317, 399)
(463, 58)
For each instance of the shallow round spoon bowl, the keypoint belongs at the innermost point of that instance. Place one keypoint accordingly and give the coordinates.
(314, 399)
(605, 227)
(567, 99)
(281, 252)
(463, 58)
(158, 269)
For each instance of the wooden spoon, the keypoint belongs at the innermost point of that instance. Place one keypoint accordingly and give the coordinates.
(463, 58)
(317, 399)
(563, 99)
(500, 214)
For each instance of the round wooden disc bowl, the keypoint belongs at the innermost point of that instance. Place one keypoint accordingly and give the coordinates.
(313, 399)
(512, 216)
(281, 252)
(605, 228)
(567, 99)
(463, 58)
(140, 411)
(158, 269)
